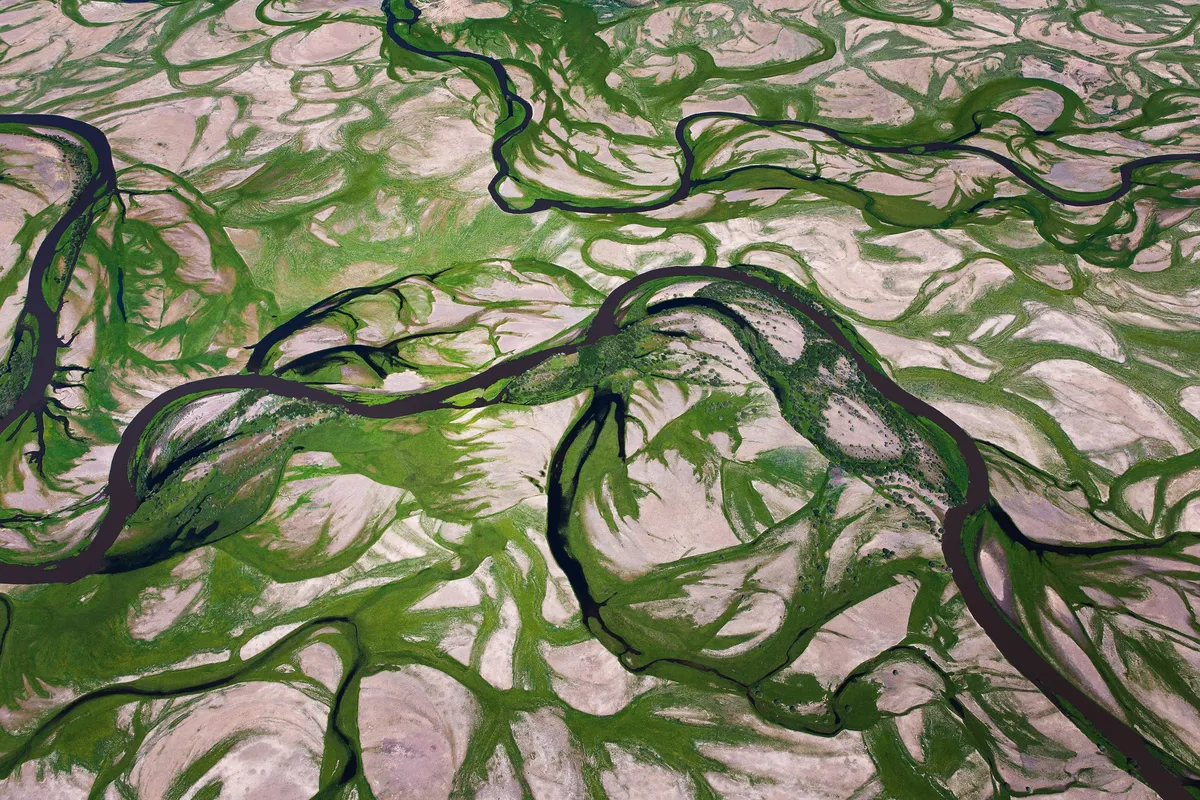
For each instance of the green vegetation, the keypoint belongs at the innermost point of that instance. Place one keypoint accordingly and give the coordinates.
(372, 458)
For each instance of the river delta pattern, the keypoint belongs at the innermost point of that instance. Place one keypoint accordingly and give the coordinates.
(582, 398)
